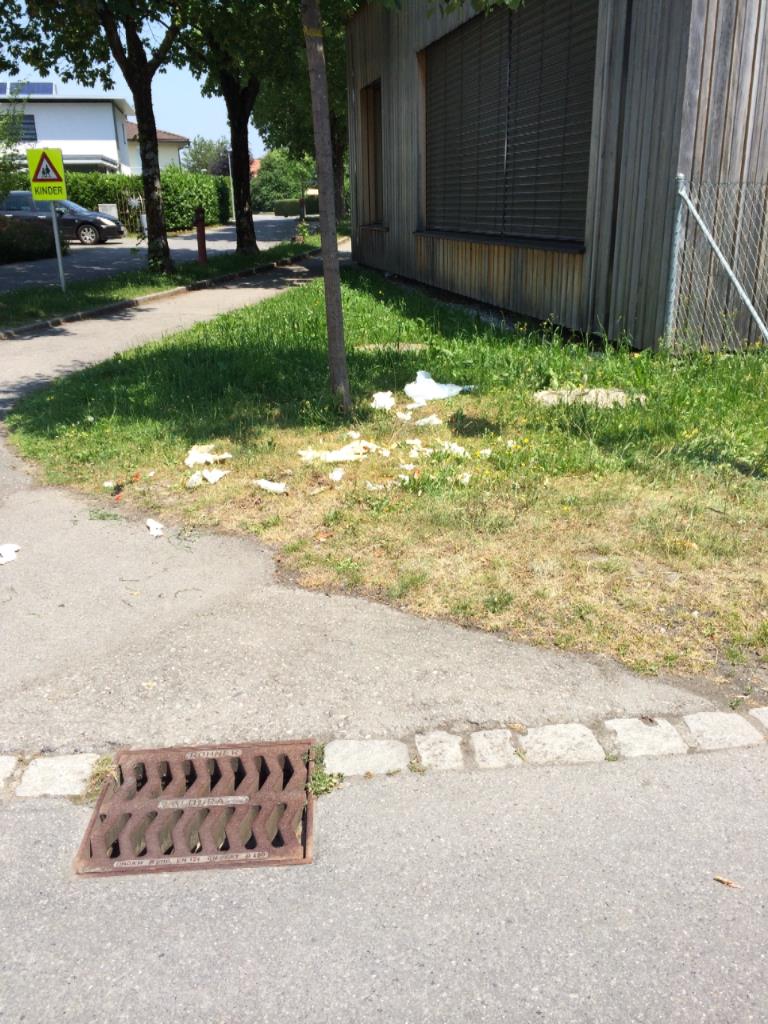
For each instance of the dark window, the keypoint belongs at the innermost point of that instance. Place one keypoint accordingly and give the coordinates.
(509, 120)
(32, 88)
(18, 201)
(372, 199)
(28, 128)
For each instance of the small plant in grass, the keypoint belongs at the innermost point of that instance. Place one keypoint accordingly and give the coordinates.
(103, 771)
(322, 781)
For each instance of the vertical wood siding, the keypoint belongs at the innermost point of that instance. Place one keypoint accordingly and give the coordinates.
(681, 85)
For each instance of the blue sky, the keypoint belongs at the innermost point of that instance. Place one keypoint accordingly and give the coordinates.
(179, 105)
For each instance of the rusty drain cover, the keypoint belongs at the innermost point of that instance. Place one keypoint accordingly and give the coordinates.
(202, 807)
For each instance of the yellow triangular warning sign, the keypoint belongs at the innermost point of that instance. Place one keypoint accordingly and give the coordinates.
(45, 172)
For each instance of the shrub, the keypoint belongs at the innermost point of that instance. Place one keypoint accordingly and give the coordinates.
(290, 207)
(26, 240)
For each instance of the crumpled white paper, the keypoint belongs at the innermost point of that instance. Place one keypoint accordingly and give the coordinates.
(204, 455)
(352, 452)
(8, 553)
(195, 480)
(429, 421)
(337, 475)
(212, 476)
(424, 389)
(155, 528)
(383, 400)
(271, 486)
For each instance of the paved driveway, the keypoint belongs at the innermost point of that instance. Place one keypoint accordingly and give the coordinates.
(84, 262)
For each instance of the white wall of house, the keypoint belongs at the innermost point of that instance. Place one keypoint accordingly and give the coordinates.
(83, 131)
(169, 153)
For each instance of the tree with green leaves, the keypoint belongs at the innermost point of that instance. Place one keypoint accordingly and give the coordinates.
(206, 156)
(282, 176)
(79, 42)
(10, 137)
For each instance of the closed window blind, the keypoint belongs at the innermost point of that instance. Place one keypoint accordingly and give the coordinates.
(509, 120)
(372, 199)
(28, 128)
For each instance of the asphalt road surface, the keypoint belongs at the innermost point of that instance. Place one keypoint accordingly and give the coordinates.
(85, 262)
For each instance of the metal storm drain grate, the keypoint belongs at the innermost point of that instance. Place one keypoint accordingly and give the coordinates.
(202, 807)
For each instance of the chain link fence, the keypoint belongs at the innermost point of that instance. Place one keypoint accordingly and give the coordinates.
(718, 295)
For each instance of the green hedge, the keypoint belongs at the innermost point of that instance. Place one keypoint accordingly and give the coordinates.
(26, 240)
(182, 192)
(290, 207)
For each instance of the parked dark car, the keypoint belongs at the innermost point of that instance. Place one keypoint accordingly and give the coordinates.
(87, 226)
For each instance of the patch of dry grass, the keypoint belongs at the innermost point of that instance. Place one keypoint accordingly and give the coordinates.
(634, 532)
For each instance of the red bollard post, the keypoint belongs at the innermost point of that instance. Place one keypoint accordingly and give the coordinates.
(202, 254)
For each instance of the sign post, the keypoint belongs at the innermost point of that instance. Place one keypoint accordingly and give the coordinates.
(46, 177)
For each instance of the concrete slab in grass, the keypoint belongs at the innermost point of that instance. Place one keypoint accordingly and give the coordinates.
(66, 775)
(493, 748)
(441, 750)
(761, 714)
(561, 744)
(636, 738)
(719, 730)
(363, 757)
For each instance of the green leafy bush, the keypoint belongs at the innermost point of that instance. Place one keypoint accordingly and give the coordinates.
(290, 207)
(25, 240)
(280, 176)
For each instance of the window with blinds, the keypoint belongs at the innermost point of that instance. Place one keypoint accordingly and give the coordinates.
(28, 128)
(508, 123)
(372, 198)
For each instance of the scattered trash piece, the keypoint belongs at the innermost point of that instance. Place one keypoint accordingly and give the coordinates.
(337, 475)
(511, 444)
(212, 476)
(355, 435)
(407, 466)
(195, 480)
(90, 419)
(603, 398)
(424, 389)
(109, 485)
(727, 882)
(429, 421)
(384, 453)
(454, 449)
(464, 479)
(352, 452)
(204, 455)
(151, 473)
(271, 486)
(155, 528)
(485, 453)
(374, 487)
(383, 400)
(404, 416)
(8, 553)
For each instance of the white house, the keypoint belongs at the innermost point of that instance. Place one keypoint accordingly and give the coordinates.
(90, 130)
(169, 147)
(93, 132)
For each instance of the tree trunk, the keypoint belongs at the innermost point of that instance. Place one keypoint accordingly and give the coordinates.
(159, 253)
(239, 100)
(321, 122)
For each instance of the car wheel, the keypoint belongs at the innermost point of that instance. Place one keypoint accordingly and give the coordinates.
(88, 234)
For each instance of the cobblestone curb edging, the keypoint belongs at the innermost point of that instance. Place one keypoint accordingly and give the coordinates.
(617, 739)
(18, 333)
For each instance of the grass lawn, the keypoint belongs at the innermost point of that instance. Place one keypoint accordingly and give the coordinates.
(25, 305)
(637, 532)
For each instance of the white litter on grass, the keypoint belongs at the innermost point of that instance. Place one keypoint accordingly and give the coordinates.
(404, 416)
(195, 481)
(271, 486)
(352, 452)
(455, 449)
(407, 466)
(464, 479)
(384, 453)
(355, 435)
(485, 453)
(155, 528)
(383, 400)
(429, 421)
(8, 553)
(204, 455)
(374, 487)
(424, 389)
(108, 485)
(337, 475)
(212, 476)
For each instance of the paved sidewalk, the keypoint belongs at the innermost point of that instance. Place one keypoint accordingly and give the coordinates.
(573, 895)
(111, 637)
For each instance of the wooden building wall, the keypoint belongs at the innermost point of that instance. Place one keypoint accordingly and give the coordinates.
(681, 85)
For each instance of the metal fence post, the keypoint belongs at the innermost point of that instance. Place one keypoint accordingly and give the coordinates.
(674, 266)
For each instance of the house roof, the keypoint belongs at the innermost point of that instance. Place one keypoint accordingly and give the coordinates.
(132, 134)
(255, 167)
(122, 105)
